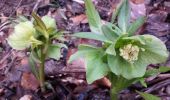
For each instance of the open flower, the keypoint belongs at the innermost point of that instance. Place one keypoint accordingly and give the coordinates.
(23, 36)
(133, 54)
(129, 52)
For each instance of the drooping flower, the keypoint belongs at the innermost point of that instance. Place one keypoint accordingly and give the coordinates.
(23, 36)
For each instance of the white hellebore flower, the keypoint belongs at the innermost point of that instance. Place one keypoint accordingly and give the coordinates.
(23, 36)
(129, 52)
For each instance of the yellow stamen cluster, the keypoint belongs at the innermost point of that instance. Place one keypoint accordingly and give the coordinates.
(129, 52)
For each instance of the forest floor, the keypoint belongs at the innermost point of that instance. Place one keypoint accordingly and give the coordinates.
(68, 80)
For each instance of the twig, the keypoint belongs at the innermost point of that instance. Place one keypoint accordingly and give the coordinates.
(15, 8)
(36, 5)
(156, 87)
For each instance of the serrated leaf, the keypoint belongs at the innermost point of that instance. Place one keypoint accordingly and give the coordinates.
(93, 17)
(148, 96)
(90, 35)
(136, 25)
(124, 16)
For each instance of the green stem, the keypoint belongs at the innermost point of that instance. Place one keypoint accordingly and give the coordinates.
(41, 72)
(114, 94)
(42, 66)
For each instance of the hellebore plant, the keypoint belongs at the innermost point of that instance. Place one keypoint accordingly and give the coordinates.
(123, 56)
(37, 36)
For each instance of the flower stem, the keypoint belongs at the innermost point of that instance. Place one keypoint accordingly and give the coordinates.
(44, 50)
(41, 72)
(114, 94)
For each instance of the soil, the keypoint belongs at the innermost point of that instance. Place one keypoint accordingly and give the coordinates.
(68, 81)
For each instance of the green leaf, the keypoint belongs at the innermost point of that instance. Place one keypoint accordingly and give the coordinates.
(93, 17)
(142, 81)
(33, 66)
(54, 51)
(128, 70)
(148, 96)
(163, 69)
(124, 16)
(152, 51)
(39, 25)
(154, 71)
(90, 35)
(114, 15)
(117, 29)
(109, 33)
(39, 22)
(111, 50)
(155, 50)
(82, 51)
(96, 68)
(136, 25)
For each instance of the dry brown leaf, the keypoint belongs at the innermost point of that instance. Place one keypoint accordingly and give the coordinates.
(79, 19)
(28, 81)
(104, 82)
(137, 1)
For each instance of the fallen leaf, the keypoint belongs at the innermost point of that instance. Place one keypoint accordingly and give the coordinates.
(104, 82)
(137, 1)
(28, 81)
(79, 19)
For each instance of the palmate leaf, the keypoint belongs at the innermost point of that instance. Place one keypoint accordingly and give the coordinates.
(136, 25)
(124, 16)
(90, 35)
(148, 96)
(93, 17)
(95, 67)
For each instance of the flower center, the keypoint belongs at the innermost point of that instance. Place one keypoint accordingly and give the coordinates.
(129, 52)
